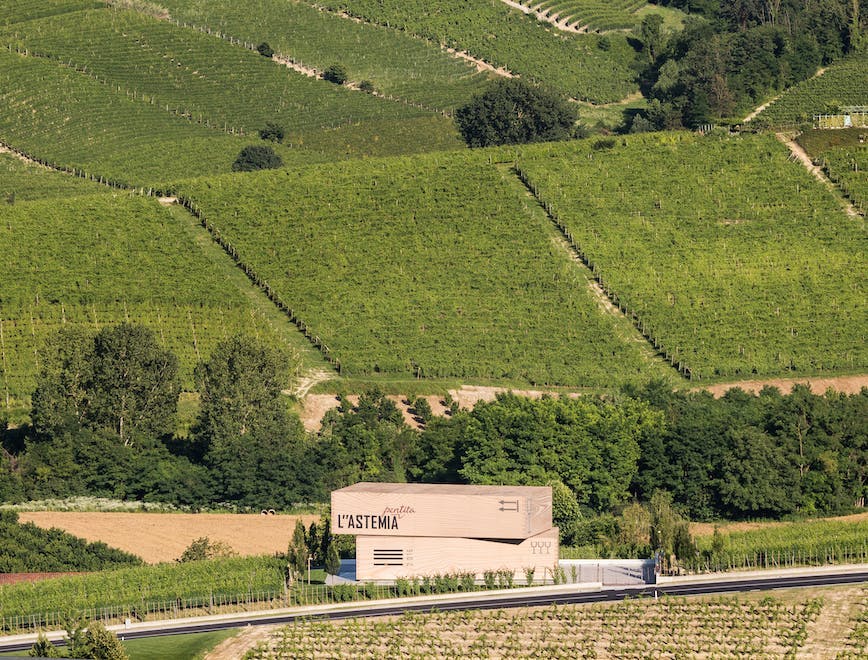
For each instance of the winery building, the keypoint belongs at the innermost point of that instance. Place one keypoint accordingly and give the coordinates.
(407, 530)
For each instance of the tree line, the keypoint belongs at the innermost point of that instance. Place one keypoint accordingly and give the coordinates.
(104, 423)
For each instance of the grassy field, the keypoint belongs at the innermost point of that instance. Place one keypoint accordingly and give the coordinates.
(728, 285)
(125, 258)
(177, 647)
(397, 63)
(436, 267)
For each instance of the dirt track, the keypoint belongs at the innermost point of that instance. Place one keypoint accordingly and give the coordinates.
(316, 405)
(162, 537)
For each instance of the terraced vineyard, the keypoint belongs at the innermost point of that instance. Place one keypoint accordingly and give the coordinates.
(845, 83)
(575, 64)
(70, 120)
(597, 15)
(20, 182)
(439, 266)
(396, 63)
(106, 259)
(668, 627)
(219, 85)
(727, 284)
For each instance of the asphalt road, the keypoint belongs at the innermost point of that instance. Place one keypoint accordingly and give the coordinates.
(370, 609)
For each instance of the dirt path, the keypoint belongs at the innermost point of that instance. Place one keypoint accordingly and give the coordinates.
(316, 405)
(6, 149)
(235, 647)
(303, 69)
(559, 23)
(802, 156)
(818, 385)
(310, 379)
(481, 65)
(827, 633)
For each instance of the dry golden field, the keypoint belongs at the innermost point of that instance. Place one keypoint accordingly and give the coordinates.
(159, 537)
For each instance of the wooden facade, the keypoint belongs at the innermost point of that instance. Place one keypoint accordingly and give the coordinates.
(390, 557)
(407, 530)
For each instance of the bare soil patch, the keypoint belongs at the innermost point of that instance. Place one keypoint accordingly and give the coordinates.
(316, 405)
(707, 529)
(236, 646)
(843, 384)
(162, 537)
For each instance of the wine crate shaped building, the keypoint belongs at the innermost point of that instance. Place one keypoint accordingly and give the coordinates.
(407, 530)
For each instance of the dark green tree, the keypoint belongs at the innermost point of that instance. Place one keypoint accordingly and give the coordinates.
(61, 398)
(42, 648)
(298, 554)
(336, 73)
(120, 381)
(513, 111)
(244, 431)
(256, 157)
(134, 386)
(265, 50)
(332, 559)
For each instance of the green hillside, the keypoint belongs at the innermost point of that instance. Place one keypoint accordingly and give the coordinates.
(439, 266)
(728, 284)
(71, 120)
(212, 83)
(21, 182)
(397, 63)
(106, 259)
(16, 11)
(576, 64)
(844, 83)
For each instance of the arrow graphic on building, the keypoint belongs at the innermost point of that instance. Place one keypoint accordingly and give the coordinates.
(509, 505)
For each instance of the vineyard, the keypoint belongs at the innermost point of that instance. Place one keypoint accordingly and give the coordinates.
(21, 182)
(70, 120)
(140, 591)
(595, 15)
(433, 267)
(213, 83)
(845, 83)
(125, 258)
(17, 11)
(726, 285)
(397, 64)
(575, 64)
(806, 543)
(849, 169)
(652, 628)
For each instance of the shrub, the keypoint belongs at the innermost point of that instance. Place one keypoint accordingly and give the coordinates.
(272, 132)
(336, 73)
(256, 157)
(264, 49)
(367, 86)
